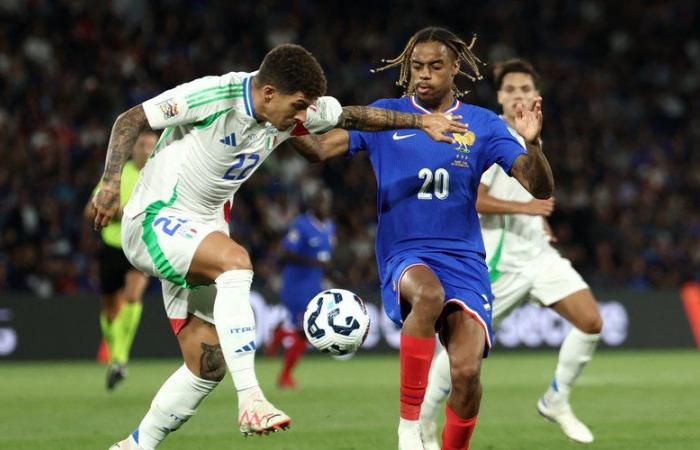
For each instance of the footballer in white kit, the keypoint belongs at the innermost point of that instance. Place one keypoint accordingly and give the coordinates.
(210, 145)
(217, 132)
(524, 266)
(522, 263)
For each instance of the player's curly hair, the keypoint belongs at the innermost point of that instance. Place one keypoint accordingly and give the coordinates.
(291, 68)
(513, 65)
(462, 51)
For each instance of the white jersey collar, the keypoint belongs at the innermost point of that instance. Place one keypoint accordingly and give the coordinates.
(416, 105)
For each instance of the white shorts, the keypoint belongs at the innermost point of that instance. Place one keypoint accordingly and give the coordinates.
(162, 244)
(180, 301)
(549, 279)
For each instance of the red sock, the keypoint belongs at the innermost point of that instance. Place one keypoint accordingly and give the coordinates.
(103, 352)
(457, 431)
(277, 336)
(292, 355)
(415, 355)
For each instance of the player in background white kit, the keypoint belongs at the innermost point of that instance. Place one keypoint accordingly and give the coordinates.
(217, 132)
(523, 264)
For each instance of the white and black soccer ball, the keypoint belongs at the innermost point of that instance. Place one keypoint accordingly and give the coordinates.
(336, 321)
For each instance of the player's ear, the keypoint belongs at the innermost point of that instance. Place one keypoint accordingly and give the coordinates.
(499, 97)
(268, 92)
(455, 67)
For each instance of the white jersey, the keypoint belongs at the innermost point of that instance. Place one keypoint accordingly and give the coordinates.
(512, 241)
(210, 145)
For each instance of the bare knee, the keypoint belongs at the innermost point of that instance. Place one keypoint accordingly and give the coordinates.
(111, 305)
(465, 377)
(136, 283)
(592, 324)
(235, 257)
(429, 301)
(212, 366)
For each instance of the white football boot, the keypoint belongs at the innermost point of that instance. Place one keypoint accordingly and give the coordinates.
(428, 431)
(127, 444)
(558, 410)
(259, 416)
(410, 436)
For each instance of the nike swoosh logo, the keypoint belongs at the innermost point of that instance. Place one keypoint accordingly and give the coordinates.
(396, 136)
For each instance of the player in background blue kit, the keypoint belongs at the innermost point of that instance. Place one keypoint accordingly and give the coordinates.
(429, 247)
(306, 256)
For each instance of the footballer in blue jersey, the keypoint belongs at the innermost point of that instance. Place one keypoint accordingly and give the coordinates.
(308, 246)
(429, 247)
(306, 256)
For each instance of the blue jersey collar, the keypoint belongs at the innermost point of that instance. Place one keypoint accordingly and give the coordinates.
(248, 95)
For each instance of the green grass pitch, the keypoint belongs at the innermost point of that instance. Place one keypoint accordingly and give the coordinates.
(631, 400)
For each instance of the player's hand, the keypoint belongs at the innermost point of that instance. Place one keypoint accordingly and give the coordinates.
(437, 125)
(536, 207)
(528, 123)
(105, 204)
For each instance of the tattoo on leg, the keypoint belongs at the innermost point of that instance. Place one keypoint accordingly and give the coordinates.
(212, 366)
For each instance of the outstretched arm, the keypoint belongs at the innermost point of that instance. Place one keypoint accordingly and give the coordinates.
(532, 169)
(317, 148)
(367, 118)
(125, 131)
(488, 204)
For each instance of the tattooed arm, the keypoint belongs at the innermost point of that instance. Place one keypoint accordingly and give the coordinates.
(367, 118)
(532, 170)
(125, 131)
(322, 147)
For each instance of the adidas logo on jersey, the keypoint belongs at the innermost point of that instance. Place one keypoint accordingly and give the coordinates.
(229, 140)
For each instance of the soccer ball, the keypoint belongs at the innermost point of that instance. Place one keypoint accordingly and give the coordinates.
(336, 321)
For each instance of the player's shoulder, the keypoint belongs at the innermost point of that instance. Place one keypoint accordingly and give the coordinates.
(230, 78)
(395, 104)
(474, 111)
(481, 119)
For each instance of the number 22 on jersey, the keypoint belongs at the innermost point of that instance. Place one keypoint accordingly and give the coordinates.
(241, 167)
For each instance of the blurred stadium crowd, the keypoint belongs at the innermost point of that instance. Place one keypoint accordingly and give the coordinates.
(622, 120)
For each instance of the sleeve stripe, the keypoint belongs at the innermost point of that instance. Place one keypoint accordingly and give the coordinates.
(208, 100)
(213, 90)
(197, 98)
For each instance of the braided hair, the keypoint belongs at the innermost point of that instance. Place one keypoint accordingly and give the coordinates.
(461, 49)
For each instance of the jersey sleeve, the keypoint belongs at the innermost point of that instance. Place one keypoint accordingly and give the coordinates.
(193, 101)
(364, 140)
(294, 239)
(503, 147)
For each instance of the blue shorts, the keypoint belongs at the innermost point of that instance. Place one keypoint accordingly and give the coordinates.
(465, 280)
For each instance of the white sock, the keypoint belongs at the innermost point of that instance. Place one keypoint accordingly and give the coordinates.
(235, 326)
(439, 385)
(176, 401)
(576, 350)
(407, 425)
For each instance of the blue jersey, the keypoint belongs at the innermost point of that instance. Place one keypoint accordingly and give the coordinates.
(312, 239)
(426, 190)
